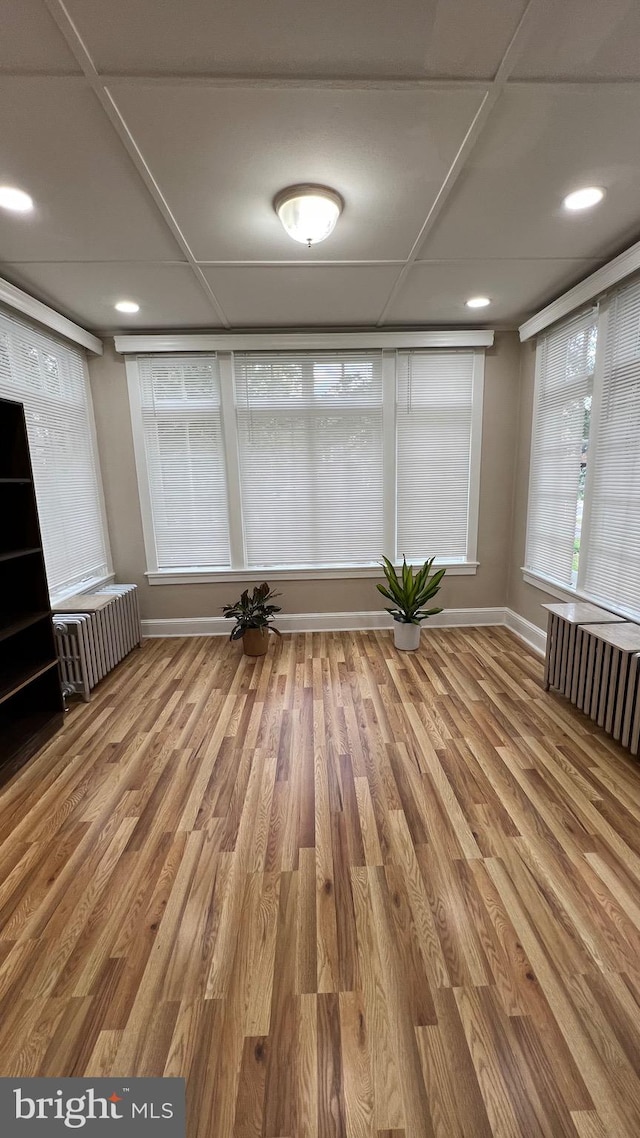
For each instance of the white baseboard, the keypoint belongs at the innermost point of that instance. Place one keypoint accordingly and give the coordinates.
(466, 618)
(535, 637)
(319, 622)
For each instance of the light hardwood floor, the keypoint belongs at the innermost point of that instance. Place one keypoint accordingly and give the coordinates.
(343, 890)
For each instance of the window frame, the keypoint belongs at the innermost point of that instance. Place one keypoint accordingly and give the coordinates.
(238, 571)
(48, 331)
(560, 590)
(322, 410)
(90, 584)
(596, 390)
(169, 414)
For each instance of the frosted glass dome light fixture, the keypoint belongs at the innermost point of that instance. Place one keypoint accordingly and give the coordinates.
(308, 213)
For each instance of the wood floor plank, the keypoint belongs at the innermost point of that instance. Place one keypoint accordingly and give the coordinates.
(389, 1113)
(346, 892)
(356, 1058)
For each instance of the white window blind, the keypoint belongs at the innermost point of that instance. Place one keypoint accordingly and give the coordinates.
(49, 377)
(185, 460)
(310, 447)
(564, 381)
(434, 413)
(611, 569)
(290, 460)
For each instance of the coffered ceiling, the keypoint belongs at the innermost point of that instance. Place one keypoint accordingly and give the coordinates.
(153, 135)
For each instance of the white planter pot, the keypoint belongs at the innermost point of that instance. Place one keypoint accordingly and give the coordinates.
(406, 636)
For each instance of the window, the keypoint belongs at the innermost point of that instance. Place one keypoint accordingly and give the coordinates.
(182, 427)
(50, 378)
(564, 384)
(435, 397)
(611, 556)
(584, 499)
(310, 445)
(299, 461)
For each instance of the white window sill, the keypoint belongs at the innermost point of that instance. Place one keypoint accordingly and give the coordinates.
(566, 593)
(562, 592)
(207, 576)
(82, 587)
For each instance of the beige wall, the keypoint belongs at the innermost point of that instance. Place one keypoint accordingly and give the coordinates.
(524, 599)
(487, 588)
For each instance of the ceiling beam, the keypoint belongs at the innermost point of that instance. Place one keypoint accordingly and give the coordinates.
(113, 79)
(284, 264)
(288, 82)
(65, 23)
(475, 129)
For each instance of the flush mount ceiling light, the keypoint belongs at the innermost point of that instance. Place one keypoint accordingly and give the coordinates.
(15, 200)
(478, 302)
(583, 199)
(308, 213)
(127, 306)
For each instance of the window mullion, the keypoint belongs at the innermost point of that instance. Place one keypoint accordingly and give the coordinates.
(389, 506)
(93, 437)
(141, 461)
(230, 432)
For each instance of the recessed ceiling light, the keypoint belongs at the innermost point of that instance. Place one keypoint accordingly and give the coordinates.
(308, 213)
(478, 302)
(127, 306)
(16, 200)
(584, 198)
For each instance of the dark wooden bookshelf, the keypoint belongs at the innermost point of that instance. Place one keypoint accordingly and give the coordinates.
(31, 705)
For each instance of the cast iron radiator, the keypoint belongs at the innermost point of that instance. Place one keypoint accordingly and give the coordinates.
(94, 632)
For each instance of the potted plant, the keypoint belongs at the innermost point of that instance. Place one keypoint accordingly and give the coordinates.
(409, 592)
(253, 615)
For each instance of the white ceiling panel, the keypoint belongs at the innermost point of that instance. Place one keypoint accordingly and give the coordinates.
(436, 293)
(228, 103)
(221, 155)
(539, 144)
(584, 39)
(30, 40)
(359, 38)
(59, 146)
(302, 296)
(169, 295)
(468, 38)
